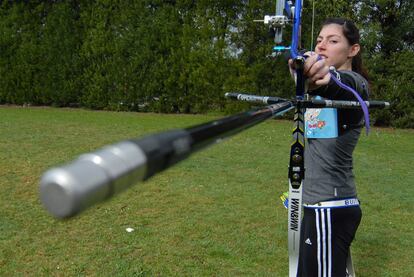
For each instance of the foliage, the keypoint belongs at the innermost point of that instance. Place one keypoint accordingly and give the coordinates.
(182, 56)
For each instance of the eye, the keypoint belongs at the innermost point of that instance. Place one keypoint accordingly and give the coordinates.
(333, 41)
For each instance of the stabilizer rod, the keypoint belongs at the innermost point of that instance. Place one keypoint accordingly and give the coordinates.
(94, 177)
(313, 103)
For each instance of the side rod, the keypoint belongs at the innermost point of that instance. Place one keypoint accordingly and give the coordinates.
(94, 177)
(313, 103)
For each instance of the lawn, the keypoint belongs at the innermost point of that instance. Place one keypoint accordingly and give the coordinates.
(216, 214)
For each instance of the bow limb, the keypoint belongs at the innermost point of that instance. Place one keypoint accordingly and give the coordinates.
(296, 29)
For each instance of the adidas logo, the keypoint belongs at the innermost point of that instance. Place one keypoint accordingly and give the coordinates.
(308, 241)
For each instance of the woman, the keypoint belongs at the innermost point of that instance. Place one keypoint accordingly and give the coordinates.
(331, 209)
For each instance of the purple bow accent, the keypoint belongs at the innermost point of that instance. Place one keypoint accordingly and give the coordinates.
(360, 100)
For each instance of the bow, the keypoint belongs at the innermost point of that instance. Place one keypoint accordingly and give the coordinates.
(286, 12)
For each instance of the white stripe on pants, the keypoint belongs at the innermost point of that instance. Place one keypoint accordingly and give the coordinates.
(324, 237)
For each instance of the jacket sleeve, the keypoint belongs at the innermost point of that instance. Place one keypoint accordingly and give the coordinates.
(333, 91)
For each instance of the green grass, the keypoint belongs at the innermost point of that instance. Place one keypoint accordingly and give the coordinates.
(215, 214)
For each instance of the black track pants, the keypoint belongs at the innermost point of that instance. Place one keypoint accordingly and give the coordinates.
(326, 236)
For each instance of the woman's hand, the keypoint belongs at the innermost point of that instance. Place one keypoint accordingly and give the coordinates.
(315, 69)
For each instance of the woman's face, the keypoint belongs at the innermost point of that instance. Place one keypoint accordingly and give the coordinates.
(333, 46)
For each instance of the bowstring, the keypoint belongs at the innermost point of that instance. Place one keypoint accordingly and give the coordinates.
(313, 25)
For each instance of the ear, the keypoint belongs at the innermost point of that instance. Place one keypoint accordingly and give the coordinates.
(354, 50)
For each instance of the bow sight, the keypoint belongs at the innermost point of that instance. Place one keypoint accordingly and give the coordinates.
(286, 13)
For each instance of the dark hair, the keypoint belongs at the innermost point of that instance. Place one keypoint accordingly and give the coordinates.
(351, 33)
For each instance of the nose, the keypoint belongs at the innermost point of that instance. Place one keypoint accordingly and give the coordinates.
(321, 45)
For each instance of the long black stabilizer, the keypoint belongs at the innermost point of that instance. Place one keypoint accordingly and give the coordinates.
(313, 103)
(94, 177)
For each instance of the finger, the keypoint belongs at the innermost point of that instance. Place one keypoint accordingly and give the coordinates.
(291, 67)
(309, 54)
(319, 67)
(316, 67)
(320, 74)
(310, 63)
(324, 81)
